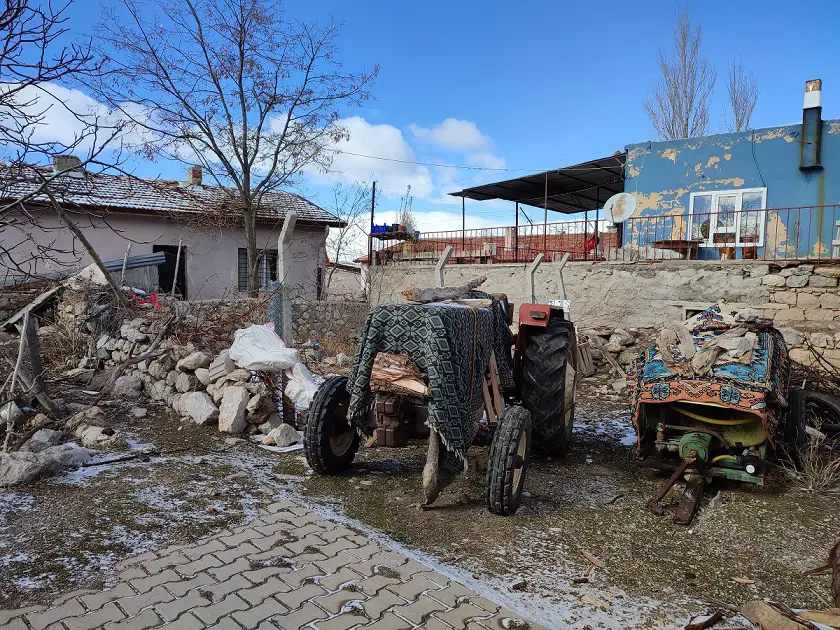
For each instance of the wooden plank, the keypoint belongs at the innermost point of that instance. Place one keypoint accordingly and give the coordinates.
(488, 403)
(498, 399)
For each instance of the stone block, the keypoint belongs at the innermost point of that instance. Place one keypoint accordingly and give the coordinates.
(822, 282)
(830, 300)
(232, 411)
(828, 271)
(805, 357)
(797, 281)
(822, 340)
(185, 382)
(792, 337)
(199, 406)
(819, 315)
(790, 315)
(784, 297)
(807, 300)
(773, 280)
(757, 271)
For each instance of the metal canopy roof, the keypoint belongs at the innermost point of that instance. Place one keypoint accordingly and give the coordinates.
(571, 189)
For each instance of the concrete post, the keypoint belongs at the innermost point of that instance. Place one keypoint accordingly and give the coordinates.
(444, 257)
(284, 261)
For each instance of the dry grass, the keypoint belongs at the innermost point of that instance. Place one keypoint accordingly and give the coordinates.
(817, 469)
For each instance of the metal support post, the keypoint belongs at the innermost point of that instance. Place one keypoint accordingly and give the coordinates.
(532, 269)
(545, 215)
(516, 236)
(463, 226)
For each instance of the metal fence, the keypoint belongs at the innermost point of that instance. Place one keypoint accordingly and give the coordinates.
(580, 239)
(773, 234)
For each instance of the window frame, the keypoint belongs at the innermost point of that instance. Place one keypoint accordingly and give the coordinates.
(736, 228)
(267, 267)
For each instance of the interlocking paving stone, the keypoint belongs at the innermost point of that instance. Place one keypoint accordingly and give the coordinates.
(344, 621)
(146, 619)
(257, 594)
(40, 620)
(255, 614)
(418, 611)
(378, 604)
(303, 616)
(288, 568)
(133, 605)
(212, 613)
(389, 621)
(95, 619)
(174, 609)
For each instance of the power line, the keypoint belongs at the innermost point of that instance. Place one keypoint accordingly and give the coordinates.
(464, 166)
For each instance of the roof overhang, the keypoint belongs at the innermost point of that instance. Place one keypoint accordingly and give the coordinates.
(571, 189)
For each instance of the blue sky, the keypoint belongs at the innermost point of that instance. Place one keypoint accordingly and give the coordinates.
(536, 85)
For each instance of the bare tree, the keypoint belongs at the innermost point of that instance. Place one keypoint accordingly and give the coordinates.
(234, 85)
(35, 60)
(351, 204)
(679, 104)
(406, 216)
(742, 89)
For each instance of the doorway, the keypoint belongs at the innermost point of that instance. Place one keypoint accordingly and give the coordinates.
(166, 270)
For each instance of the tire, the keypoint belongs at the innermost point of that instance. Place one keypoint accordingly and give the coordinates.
(543, 386)
(509, 456)
(329, 440)
(809, 408)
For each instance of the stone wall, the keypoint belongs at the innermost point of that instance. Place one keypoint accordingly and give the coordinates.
(329, 321)
(800, 297)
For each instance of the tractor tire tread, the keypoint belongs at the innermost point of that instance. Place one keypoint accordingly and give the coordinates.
(315, 443)
(502, 498)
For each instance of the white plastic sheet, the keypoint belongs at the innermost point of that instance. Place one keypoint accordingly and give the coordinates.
(259, 348)
(301, 387)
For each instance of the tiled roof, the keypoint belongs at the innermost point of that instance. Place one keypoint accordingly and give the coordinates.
(123, 193)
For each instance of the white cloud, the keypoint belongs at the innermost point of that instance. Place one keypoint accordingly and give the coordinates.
(485, 159)
(382, 141)
(452, 135)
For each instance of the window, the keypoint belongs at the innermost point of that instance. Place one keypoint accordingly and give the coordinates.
(732, 217)
(267, 268)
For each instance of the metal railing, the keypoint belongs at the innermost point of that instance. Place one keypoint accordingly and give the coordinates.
(772, 234)
(796, 233)
(582, 240)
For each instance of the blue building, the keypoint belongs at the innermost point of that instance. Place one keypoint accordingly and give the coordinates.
(760, 194)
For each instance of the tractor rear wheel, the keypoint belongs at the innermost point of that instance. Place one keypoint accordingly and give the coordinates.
(544, 365)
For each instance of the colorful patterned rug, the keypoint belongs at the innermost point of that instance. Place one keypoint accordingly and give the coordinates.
(757, 384)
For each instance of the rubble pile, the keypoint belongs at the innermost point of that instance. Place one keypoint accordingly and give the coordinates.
(201, 386)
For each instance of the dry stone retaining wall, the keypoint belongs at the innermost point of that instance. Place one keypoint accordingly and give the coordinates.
(329, 320)
(804, 299)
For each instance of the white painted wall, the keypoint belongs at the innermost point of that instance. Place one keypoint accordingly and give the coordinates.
(212, 253)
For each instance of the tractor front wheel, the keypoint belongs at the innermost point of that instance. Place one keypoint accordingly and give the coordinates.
(509, 455)
(329, 440)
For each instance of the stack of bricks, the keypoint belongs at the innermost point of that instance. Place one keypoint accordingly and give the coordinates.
(391, 429)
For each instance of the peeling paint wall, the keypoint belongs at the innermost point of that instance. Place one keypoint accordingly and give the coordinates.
(662, 176)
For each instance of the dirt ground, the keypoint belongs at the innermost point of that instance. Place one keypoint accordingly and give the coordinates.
(70, 531)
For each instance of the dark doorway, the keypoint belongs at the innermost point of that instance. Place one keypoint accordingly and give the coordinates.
(166, 270)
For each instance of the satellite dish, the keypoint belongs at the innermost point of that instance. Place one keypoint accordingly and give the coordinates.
(620, 207)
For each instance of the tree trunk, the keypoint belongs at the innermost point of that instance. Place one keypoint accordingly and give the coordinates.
(253, 253)
(71, 225)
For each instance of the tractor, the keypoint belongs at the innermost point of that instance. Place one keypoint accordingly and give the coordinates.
(460, 378)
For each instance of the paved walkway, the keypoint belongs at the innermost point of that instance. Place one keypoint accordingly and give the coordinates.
(289, 568)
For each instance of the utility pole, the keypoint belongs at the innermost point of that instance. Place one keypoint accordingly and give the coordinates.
(370, 235)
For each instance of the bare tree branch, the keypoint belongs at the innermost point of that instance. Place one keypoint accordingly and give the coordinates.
(742, 89)
(680, 101)
(233, 85)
